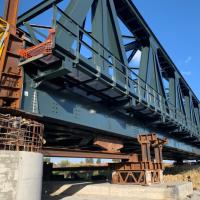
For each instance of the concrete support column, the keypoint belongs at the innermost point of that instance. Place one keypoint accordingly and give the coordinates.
(20, 175)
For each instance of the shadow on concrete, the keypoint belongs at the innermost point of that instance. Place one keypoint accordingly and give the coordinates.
(54, 190)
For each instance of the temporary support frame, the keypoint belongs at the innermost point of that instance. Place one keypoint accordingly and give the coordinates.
(133, 169)
(144, 170)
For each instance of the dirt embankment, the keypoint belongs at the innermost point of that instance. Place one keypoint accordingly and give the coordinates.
(186, 172)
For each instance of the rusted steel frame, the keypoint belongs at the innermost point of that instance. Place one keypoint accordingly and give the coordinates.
(10, 73)
(109, 144)
(55, 152)
(146, 138)
(136, 177)
(81, 168)
(10, 14)
(148, 171)
(144, 141)
(132, 166)
(155, 176)
(129, 177)
(20, 134)
(151, 140)
(146, 155)
(158, 146)
(158, 154)
(43, 48)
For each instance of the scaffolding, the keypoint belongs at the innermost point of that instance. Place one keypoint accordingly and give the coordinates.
(20, 134)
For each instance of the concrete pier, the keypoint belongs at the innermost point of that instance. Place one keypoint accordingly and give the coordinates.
(20, 175)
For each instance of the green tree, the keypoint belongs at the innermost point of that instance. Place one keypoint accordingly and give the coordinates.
(64, 163)
(98, 161)
(47, 159)
(116, 160)
(81, 162)
(89, 160)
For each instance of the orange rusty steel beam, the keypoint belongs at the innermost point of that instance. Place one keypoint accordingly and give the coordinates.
(10, 13)
(82, 168)
(58, 152)
(109, 144)
(43, 48)
(10, 73)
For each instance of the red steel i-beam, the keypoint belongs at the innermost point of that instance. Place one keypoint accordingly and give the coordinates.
(10, 72)
(10, 13)
(56, 152)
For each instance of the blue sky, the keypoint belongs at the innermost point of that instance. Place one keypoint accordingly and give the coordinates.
(176, 23)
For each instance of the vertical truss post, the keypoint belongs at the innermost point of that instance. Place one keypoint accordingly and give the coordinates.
(78, 45)
(145, 143)
(177, 103)
(198, 115)
(10, 72)
(172, 95)
(145, 147)
(143, 72)
(55, 12)
(158, 153)
(188, 108)
(10, 14)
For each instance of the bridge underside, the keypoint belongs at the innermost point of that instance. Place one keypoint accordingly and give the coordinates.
(75, 137)
(78, 137)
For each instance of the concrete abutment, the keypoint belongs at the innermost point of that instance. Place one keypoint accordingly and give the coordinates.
(20, 175)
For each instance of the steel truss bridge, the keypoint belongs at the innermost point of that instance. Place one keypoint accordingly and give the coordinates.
(81, 81)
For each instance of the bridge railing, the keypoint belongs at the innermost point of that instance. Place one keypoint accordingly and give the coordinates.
(99, 57)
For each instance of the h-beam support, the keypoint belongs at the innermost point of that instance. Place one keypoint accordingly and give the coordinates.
(144, 170)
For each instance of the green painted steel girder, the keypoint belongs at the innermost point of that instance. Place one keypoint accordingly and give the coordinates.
(36, 10)
(95, 66)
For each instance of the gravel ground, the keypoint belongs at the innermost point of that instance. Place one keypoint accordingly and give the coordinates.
(63, 191)
(97, 198)
(194, 196)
